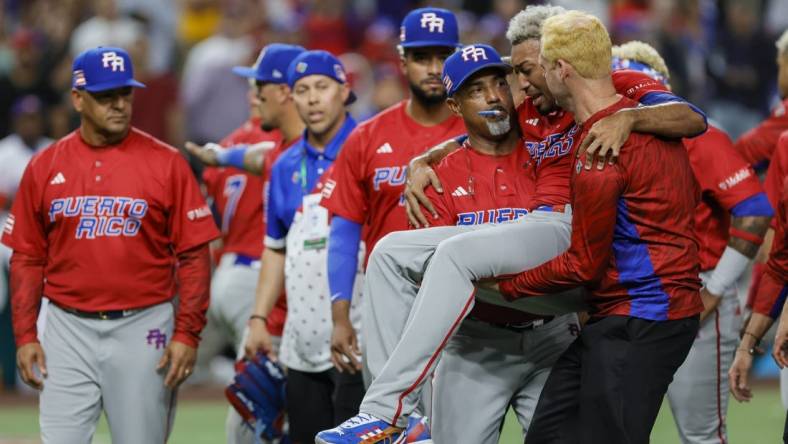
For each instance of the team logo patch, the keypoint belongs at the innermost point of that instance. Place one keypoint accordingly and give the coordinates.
(8, 227)
(199, 213)
(447, 82)
(401, 33)
(301, 67)
(79, 78)
(157, 337)
(328, 190)
(340, 73)
(296, 177)
(276, 74)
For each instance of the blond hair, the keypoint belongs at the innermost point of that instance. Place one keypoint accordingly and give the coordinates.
(527, 24)
(782, 44)
(643, 53)
(579, 39)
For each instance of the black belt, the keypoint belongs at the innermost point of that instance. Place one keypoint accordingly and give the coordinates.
(103, 315)
(519, 327)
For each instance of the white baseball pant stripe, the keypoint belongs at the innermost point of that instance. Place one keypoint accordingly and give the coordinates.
(698, 395)
(96, 364)
(409, 340)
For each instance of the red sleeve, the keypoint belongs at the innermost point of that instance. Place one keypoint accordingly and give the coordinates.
(594, 197)
(194, 280)
(211, 176)
(348, 197)
(757, 144)
(27, 284)
(720, 170)
(443, 204)
(24, 228)
(772, 290)
(191, 223)
(635, 84)
(776, 174)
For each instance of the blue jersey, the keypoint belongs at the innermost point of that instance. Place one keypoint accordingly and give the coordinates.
(294, 176)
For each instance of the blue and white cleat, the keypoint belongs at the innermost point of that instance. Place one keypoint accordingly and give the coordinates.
(362, 429)
(418, 431)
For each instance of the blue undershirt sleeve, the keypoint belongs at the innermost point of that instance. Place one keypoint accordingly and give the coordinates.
(343, 243)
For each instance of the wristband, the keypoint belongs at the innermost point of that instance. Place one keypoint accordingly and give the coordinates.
(728, 270)
(757, 339)
(232, 156)
(260, 317)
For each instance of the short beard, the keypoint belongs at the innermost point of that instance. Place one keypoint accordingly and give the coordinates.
(499, 127)
(424, 98)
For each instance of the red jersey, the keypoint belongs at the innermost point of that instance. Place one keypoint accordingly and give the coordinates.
(772, 290)
(481, 188)
(238, 195)
(632, 245)
(108, 222)
(725, 180)
(369, 173)
(757, 145)
(550, 138)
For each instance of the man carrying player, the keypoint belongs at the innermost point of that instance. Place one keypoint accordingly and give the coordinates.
(399, 260)
(109, 224)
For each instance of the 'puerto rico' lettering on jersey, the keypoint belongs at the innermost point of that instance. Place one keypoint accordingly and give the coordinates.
(101, 216)
(554, 145)
(393, 176)
(494, 216)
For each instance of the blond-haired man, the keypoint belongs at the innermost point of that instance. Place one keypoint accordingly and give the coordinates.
(632, 247)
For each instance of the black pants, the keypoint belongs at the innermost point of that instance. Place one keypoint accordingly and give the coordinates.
(320, 401)
(608, 385)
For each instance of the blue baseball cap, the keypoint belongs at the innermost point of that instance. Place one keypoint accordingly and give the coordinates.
(459, 66)
(318, 62)
(272, 63)
(429, 27)
(103, 68)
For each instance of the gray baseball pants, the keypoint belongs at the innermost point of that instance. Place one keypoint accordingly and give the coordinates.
(107, 365)
(406, 326)
(486, 369)
(698, 395)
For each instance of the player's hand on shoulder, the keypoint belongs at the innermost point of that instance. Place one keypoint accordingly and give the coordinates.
(178, 361)
(420, 175)
(604, 140)
(258, 338)
(345, 352)
(207, 154)
(29, 357)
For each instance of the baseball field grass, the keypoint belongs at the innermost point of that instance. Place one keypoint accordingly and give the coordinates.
(200, 420)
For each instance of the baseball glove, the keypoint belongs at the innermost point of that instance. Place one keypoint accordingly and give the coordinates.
(258, 394)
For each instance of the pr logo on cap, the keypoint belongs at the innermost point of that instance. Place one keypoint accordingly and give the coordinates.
(110, 59)
(431, 21)
(473, 52)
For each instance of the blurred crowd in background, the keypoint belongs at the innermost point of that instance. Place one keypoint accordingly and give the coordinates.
(721, 55)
